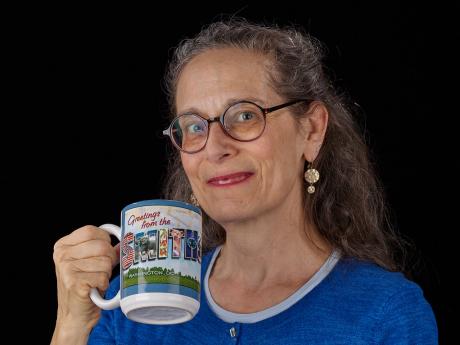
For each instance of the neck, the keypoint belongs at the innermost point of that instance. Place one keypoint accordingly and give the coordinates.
(279, 246)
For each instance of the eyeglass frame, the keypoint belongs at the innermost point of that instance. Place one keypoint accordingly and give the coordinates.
(220, 119)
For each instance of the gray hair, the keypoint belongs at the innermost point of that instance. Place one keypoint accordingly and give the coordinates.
(348, 207)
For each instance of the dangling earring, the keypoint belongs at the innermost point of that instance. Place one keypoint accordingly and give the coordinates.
(311, 176)
(193, 200)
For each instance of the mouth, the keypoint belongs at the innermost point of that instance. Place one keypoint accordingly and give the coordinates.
(230, 180)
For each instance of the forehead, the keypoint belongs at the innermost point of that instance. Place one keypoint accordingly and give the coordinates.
(215, 76)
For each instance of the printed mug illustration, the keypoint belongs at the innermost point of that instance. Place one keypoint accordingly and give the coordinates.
(145, 246)
(176, 235)
(153, 245)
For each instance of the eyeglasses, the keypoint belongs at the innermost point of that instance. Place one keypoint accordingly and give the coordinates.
(242, 121)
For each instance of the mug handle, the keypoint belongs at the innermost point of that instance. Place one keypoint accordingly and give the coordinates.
(94, 294)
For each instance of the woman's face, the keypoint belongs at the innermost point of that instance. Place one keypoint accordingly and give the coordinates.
(269, 169)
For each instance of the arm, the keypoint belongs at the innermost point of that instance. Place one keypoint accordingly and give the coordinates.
(70, 332)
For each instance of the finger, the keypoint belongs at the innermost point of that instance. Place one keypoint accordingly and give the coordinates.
(117, 252)
(91, 249)
(101, 264)
(81, 283)
(83, 234)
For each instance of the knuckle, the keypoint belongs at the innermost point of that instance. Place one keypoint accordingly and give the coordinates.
(86, 232)
(109, 251)
(60, 242)
(64, 267)
(113, 254)
(58, 254)
(107, 264)
(103, 234)
(57, 244)
(102, 247)
(68, 281)
(82, 288)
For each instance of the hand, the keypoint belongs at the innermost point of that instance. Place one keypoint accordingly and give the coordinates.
(84, 259)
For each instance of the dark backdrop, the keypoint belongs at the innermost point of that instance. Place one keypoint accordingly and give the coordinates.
(95, 111)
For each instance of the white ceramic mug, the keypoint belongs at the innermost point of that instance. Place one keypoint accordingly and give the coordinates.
(160, 262)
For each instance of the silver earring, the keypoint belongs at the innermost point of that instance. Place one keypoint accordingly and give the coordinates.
(311, 176)
(194, 200)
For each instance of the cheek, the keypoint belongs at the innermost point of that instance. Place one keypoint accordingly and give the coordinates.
(281, 157)
(262, 153)
(284, 164)
(187, 164)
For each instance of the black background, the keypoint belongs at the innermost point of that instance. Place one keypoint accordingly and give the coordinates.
(86, 139)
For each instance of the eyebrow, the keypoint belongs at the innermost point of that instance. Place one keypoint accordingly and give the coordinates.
(229, 103)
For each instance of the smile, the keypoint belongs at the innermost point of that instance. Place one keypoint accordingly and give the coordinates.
(229, 180)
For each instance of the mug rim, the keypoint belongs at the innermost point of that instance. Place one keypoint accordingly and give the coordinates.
(162, 202)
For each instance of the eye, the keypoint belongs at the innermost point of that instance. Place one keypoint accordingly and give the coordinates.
(195, 128)
(245, 116)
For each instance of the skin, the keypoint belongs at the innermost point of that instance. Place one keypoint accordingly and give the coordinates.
(84, 259)
(271, 249)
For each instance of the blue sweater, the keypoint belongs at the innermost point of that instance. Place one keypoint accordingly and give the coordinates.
(357, 303)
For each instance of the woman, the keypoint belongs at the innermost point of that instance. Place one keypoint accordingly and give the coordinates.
(297, 246)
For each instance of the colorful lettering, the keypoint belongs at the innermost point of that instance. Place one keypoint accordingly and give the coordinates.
(163, 244)
(191, 245)
(127, 251)
(153, 244)
(176, 235)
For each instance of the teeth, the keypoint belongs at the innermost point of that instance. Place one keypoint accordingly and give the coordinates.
(230, 180)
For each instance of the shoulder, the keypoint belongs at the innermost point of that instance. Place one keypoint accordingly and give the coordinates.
(368, 281)
(367, 276)
(396, 304)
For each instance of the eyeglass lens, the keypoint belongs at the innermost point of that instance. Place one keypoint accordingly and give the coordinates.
(242, 121)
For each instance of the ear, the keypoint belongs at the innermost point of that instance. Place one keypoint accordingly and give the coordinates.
(314, 126)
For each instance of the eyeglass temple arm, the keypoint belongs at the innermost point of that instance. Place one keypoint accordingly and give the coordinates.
(269, 110)
(168, 131)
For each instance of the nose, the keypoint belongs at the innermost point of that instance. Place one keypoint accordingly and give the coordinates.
(219, 145)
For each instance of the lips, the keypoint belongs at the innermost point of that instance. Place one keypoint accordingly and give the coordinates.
(231, 179)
